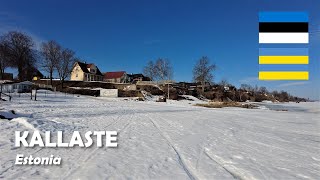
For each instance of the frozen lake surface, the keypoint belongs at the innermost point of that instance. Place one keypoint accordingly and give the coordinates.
(292, 106)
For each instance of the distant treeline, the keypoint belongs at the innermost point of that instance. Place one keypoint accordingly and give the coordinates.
(252, 93)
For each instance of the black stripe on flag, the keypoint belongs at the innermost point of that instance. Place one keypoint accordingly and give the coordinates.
(283, 27)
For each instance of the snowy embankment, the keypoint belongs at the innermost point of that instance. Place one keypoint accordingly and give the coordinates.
(164, 140)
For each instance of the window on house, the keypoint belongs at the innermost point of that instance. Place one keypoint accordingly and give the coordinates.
(76, 75)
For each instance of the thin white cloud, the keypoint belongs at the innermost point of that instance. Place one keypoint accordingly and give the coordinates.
(249, 80)
(300, 83)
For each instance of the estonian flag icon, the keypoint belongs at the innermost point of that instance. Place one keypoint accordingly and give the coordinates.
(283, 27)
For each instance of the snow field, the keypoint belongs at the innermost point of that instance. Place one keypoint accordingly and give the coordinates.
(164, 140)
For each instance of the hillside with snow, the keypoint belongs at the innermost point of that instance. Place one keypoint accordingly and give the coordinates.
(164, 140)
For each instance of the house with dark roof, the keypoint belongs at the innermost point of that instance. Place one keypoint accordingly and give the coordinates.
(6, 76)
(30, 73)
(85, 72)
(138, 77)
(116, 77)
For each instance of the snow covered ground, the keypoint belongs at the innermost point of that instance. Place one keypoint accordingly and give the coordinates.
(164, 140)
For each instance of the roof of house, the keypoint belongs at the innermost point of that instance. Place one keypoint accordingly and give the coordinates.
(33, 72)
(7, 76)
(36, 72)
(113, 75)
(135, 75)
(89, 65)
(84, 67)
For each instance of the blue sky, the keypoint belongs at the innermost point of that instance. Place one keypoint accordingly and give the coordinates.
(124, 35)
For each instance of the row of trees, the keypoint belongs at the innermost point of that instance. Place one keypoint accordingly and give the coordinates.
(203, 70)
(256, 89)
(56, 58)
(161, 70)
(263, 91)
(17, 50)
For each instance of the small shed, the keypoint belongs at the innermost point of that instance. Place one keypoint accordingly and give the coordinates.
(21, 87)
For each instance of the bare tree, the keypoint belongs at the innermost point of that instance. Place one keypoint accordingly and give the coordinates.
(64, 65)
(224, 82)
(202, 71)
(163, 69)
(149, 70)
(19, 51)
(256, 89)
(4, 63)
(263, 90)
(246, 87)
(51, 51)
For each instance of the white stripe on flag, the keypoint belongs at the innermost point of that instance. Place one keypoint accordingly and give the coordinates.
(283, 38)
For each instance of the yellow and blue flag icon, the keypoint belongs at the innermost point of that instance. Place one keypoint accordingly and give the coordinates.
(283, 63)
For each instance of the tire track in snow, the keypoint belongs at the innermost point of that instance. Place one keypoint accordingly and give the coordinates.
(201, 152)
(264, 135)
(233, 173)
(13, 163)
(232, 170)
(218, 130)
(94, 152)
(276, 138)
(32, 153)
(202, 147)
(252, 146)
(186, 167)
(26, 169)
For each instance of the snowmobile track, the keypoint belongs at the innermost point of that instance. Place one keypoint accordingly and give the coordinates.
(181, 160)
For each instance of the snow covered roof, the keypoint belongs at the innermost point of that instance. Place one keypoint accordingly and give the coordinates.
(6, 82)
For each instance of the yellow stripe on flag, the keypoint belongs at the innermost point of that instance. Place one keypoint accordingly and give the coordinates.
(283, 59)
(284, 75)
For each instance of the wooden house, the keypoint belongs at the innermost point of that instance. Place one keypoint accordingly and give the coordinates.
(85, 72)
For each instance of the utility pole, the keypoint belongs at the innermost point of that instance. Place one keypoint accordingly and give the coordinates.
(168, 91)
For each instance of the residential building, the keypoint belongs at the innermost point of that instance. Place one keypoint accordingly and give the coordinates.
(116, 77)
(6, 76)
(36, 74)
(11, 87)
(138, 77)
(30, 73)
(85, 72)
